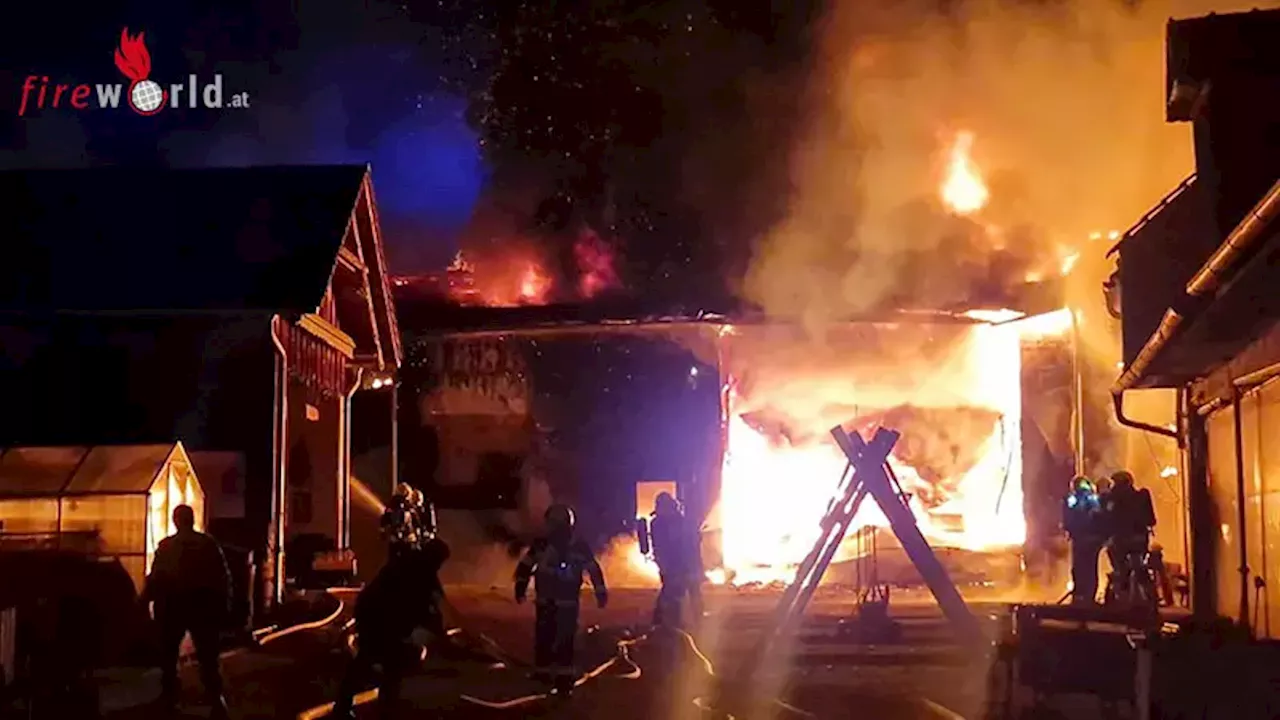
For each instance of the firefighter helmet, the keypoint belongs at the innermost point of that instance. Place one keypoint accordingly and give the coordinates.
(1082, 484)
(559, 516)
(664, 503)
(404, 491)
(1122, 478)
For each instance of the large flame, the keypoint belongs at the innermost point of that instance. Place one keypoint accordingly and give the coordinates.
(776, 485)
(955, 394)
(963, 190)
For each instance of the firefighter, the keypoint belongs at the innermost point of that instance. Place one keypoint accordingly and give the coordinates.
(1081, 518)
(400, 521)
(1129, 516)
(190, 587)
(404, 596)
(556, 563)
(675, 549)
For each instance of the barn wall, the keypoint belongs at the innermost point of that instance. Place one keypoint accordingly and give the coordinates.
(581, 416)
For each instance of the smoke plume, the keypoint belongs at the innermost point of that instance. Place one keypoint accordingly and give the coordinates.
(1065, 101)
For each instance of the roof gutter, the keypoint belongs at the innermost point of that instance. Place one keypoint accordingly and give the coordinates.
(1207, 281)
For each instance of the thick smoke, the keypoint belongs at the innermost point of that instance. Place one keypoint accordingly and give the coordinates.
(1066, 104)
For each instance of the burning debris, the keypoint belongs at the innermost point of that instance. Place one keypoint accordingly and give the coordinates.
(515, 273)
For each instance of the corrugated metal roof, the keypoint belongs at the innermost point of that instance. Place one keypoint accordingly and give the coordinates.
(137, 239)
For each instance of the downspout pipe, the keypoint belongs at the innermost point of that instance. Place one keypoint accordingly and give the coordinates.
(344, 478)
(1117, 401)
(280, 416)
(395, 432)
(1200, 290)
(1241, 513)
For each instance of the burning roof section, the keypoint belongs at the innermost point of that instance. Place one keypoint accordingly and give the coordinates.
(425, 318)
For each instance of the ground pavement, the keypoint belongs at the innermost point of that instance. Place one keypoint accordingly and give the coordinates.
(689, 676)
(631, 675)
(293, 670)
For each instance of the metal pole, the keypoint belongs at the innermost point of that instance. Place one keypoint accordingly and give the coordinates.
(395, 435)
(1202, 520)
(1077, 390)
(1241, 516)
(1142, 680)
(1184, 475)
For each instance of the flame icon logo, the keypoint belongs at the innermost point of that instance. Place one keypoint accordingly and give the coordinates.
(146, 97)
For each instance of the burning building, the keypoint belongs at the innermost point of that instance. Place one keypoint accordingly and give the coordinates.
(751, 402)
(982, 377)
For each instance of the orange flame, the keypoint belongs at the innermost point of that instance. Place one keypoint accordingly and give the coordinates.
(514, 271)
(535, 286)
(766, 531)
(595, 265)
(132, 57)
(963, 190)
(513, 278)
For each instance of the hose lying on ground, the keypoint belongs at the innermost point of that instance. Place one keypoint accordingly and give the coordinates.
(623, 654)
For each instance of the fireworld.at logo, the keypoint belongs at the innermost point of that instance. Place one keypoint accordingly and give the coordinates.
(142, 95)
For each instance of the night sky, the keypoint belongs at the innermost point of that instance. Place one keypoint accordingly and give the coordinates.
(630, 116)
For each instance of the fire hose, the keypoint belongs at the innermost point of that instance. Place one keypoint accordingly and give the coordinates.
(623, 655)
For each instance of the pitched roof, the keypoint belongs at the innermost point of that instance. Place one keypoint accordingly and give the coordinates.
(106, 469)
(147, 239)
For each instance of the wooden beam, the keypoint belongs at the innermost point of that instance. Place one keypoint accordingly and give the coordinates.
(380, 271)
(368, 290)
(350, 259)
(329, 334)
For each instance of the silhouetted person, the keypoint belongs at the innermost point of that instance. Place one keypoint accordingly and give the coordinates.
(556, 564)
(1082, 519)
(675, 549)
(1129, 515)
(191, 588)
(404, 596)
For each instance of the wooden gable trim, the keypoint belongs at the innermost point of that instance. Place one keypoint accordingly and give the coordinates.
(350, 259)
(329, 334)
(368, 290)
(329, 305)
(380, 280)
